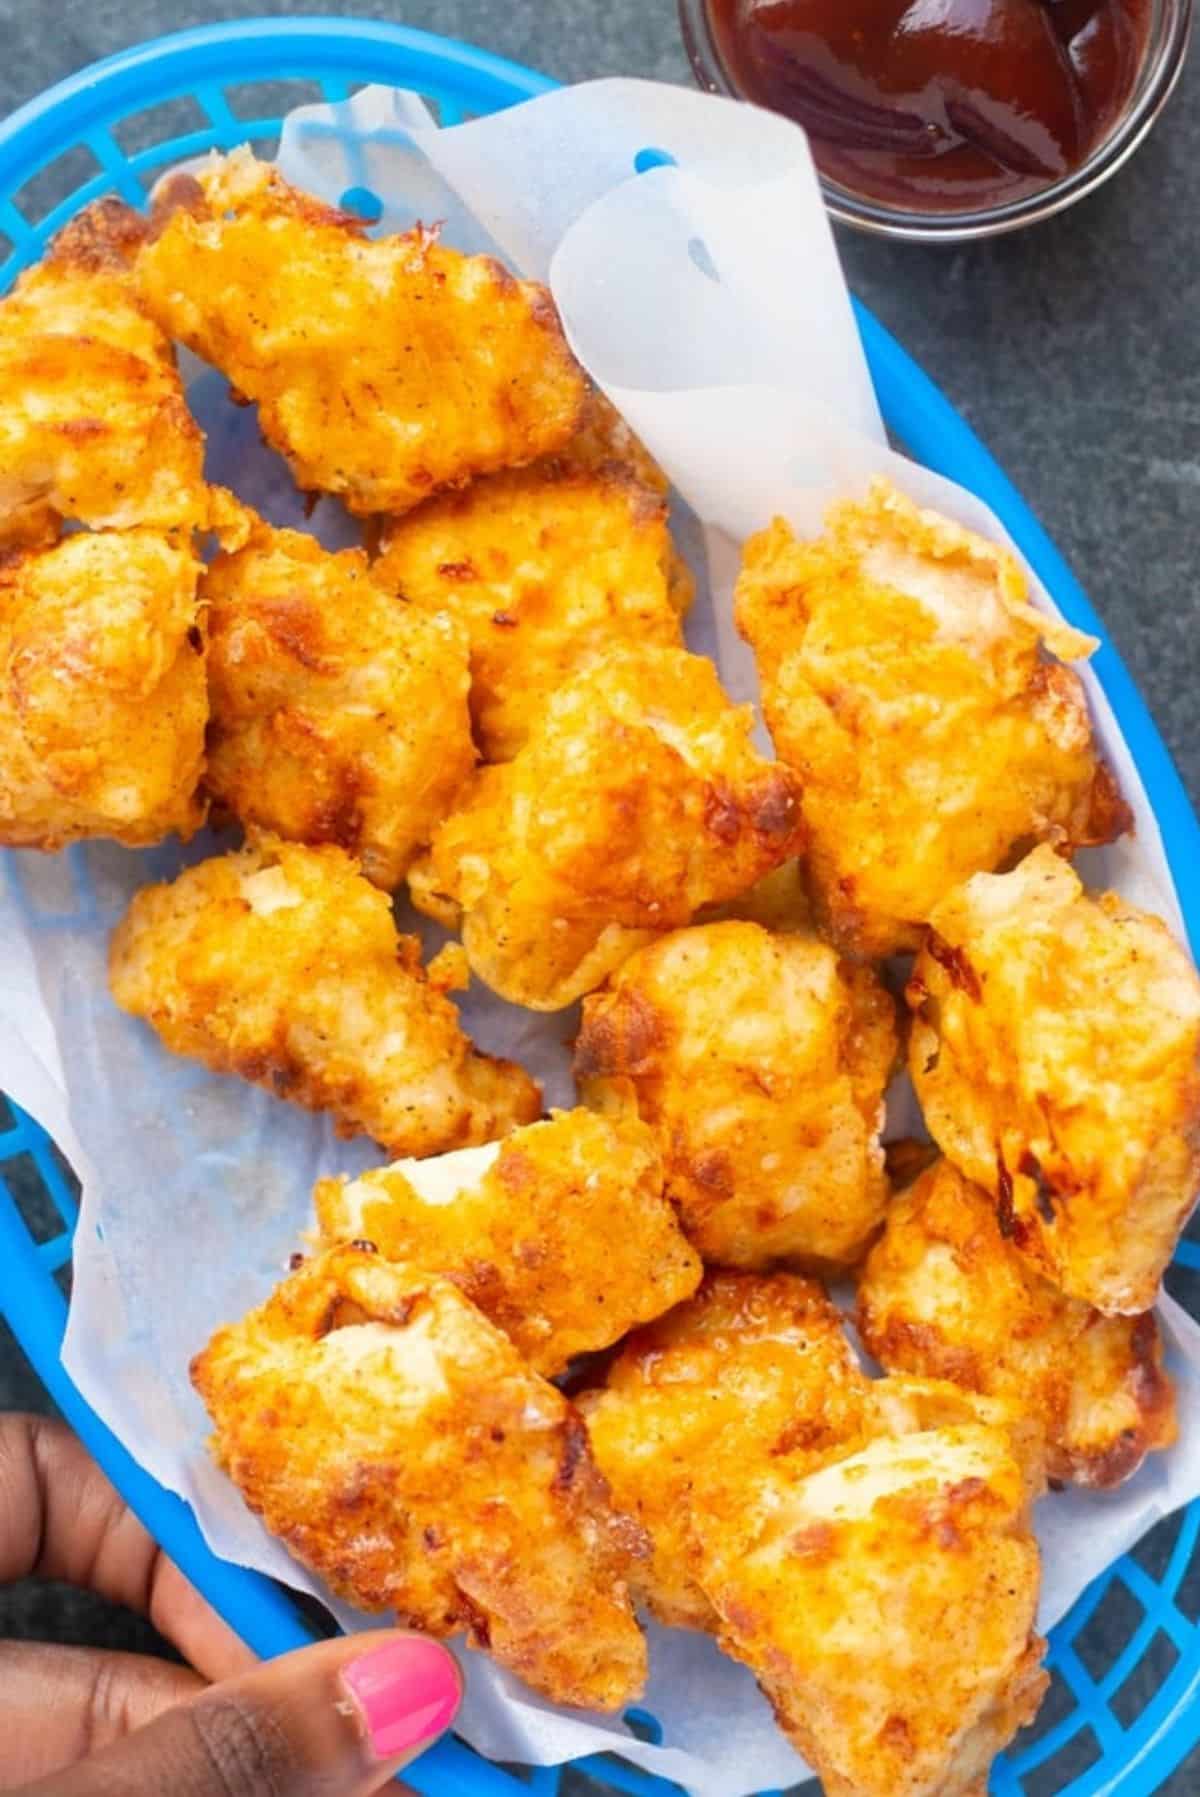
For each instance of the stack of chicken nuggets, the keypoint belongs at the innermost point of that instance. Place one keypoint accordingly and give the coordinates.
(535, 1372)
(102, 640)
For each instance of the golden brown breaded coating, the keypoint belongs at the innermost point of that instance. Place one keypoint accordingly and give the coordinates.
(604, 441)
(865, 1548)
(1056, 1054)
(93, 423)
(886, 1604)
(751, 1374)
(560, 1233)
(282, 963)
(399, 1446)
(944, 1294)
(779, 901)
(338, 715)
(102, 691)
(637, 798)
(906, 1405)
(542, 567)
(384, 369)
(760, 1062)
(904, 679)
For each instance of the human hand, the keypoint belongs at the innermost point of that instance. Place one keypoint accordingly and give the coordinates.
(335, 1720)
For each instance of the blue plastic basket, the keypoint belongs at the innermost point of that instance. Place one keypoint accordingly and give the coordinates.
(1114, 1721)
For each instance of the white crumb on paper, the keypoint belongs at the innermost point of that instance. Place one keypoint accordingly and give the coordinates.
(706, 298)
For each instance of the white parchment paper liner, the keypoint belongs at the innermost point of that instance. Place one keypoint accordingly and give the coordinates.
(706, 297)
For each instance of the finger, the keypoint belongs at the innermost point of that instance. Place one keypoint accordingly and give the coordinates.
(61, 1519)
(58, 1704)
(178, 1611)
(336, 1720)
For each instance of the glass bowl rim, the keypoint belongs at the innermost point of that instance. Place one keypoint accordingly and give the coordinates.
(1170, 31)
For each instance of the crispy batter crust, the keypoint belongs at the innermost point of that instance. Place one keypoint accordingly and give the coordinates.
(603, 443)
(865, 1548)
(779, 901)
(752, 1372)
(636, 799)
(337, 716)
(419, 369)
(282, 964)
(886, 1604)
(104, 238)
(94, 427)
(564, 1239)
(542, 567)
(398, 1445)
(944, 1294)
(102, 691)
(760, 1062)
(905, 679)
(1055, 1049)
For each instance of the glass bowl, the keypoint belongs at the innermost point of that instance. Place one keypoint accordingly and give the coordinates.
(1170, 27)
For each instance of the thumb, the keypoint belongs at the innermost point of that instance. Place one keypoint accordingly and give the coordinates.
(335, 1720)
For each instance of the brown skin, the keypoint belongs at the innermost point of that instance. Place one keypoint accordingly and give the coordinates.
(83, 1723)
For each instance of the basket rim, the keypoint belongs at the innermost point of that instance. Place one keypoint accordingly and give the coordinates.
(202, 52)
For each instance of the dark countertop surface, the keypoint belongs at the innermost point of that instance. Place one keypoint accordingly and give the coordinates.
(1074, 349)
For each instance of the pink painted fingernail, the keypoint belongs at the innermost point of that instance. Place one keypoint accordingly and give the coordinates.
(408, 1692)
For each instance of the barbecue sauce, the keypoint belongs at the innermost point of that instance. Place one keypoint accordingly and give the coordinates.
(939, 105)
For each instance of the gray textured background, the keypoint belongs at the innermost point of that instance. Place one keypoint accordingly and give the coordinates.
(1074, 350)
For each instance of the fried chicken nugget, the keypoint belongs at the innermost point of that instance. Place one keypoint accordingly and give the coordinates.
(637, 798)
(560, 1234)
(864, 1547)
(1056, 1054)
(760, 1062)
(904, 679)
(944, 1294)
(337, 714)
(543, 567)
(398, 1445)
(604, 440)
(282, 963)
(93, 423)
(779, 901)
(750, 1373)
(102, 691)
(384, 369)
(886, 1600)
